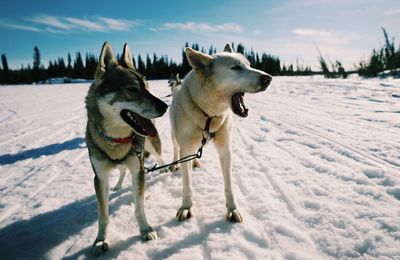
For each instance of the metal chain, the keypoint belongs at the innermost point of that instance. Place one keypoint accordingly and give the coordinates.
(205, 134)
(138, 151)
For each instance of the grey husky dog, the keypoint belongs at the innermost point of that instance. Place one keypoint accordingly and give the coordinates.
(174, 82)
(215, 87)
(119, 109)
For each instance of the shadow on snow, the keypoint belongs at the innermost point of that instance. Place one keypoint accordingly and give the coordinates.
(33, 238)
(47, 150)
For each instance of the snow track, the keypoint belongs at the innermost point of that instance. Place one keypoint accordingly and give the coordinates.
(316, 173)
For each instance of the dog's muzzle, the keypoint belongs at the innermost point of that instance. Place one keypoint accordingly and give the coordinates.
(265, 80)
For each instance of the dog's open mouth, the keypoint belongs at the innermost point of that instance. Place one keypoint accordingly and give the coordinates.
(141, 125)
(238, 106)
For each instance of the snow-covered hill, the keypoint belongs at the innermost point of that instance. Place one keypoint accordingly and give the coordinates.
(316, 171)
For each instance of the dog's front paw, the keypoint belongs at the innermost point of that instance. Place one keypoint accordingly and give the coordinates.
(184, 213)
(196, 163)
(100, 247)
(234, 216)
(148, 234)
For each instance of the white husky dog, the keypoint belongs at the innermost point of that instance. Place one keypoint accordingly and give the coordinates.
(213, 89)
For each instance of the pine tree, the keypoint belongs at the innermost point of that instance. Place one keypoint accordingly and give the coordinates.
(185, 66)
(37, 71)
(36, 58)
(324, 67)
(141, 66)
(50, 70)
(211, 50)
(69, 66)
(90, 66)
(148, 66)
(340, 70)
(61, 71)
(387, 58)
(5, 72)
(4, 63)
(290, 70)
(240, 48)
(195, 47)
(78, 71)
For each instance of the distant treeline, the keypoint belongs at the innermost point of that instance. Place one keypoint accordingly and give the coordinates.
(387, 58)
(153, 67)
(56, 69)
(332, 69)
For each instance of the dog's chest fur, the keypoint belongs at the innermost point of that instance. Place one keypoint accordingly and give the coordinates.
(197, 115)
(114, 151)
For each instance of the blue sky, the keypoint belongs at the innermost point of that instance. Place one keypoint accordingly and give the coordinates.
(347, 30)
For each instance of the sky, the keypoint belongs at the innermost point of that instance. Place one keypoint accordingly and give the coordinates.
(345, 30)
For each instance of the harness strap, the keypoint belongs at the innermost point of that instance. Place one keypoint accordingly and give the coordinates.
(125, 140)
(206, 136)
(208, 123)
(131, 139)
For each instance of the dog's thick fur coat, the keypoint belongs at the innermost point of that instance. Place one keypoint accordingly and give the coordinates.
(119, 106)
(214, 88)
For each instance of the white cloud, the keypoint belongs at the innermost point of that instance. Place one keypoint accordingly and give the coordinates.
(52, 21)
(307, 32)
(202, 27)
(325, 37)
(85, 24)
(118, 24)
(20, 27)
(60, 24)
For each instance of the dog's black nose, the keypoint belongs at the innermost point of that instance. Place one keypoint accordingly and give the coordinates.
(265, 80)
(161, 106)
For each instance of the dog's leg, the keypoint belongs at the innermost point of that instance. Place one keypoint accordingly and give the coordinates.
(153, 146)
(225, 154)
(185, 211)
(101, 185)
(138, 184)
(122, 173)
(176, 154)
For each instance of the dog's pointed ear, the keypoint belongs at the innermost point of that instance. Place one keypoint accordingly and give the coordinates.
(228, 48)
(198, 60)
(106, 61)
(126, 58)
(178, 80)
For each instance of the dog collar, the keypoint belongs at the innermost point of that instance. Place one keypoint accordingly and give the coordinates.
(130, 139)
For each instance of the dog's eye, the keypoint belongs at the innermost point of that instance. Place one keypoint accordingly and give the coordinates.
(236, 67)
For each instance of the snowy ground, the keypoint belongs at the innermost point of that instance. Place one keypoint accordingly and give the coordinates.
(316, 172)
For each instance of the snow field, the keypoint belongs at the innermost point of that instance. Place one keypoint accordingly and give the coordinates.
(315, 171)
